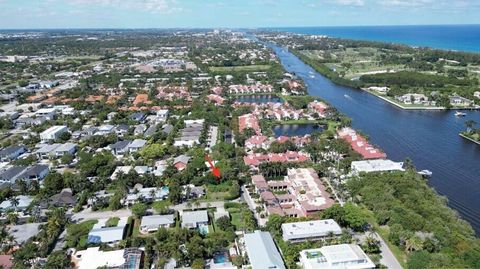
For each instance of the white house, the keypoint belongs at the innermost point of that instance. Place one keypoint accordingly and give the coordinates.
(162, 115)
(379, 165)
(48, 113)
(53, 132)
(100, 233)
(310, 230)
(153, 223)
(195, 219)
(336, 257)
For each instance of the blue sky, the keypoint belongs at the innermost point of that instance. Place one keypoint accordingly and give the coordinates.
(15, 14)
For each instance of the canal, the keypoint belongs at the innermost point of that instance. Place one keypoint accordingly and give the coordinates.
(429, 138)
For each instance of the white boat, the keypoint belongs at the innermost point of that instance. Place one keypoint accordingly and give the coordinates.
(425, 173)
(346, 96)
(460, 114)
(312, 76)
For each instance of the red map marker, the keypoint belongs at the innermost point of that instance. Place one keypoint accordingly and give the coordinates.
(215, 170)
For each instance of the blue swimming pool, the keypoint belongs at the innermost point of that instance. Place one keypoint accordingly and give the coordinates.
(220, 257)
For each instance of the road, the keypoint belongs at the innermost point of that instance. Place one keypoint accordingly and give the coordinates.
(88, 214)
(388, 259)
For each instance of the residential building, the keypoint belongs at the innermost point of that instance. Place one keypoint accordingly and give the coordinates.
(195, 220)
(23, 202)
(310, 230)
(53, 133)
(146, 194)
(257, 142)
(262, 251)
(249, 121)
(11, 153)
(457, 100)
(130, 258)
(303, 193)
(56, 150)
(379, 165)
(63, 199)
(162, 115)
(190, 135)
(153, 223)
(48, 113)
(255, 159)
(360, 144)
(181, 162)
(100, 233)
(477, 94)
(414, 98)
(342, 256)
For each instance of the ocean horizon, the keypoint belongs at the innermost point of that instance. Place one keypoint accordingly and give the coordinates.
(461, 37)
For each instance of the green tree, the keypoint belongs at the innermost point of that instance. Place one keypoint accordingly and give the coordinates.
(139, 209)
(58, 260)
(53, 183)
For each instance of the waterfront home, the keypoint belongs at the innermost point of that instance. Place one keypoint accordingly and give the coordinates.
(477, 94)
(360, 144)
(413, 98)
(379, 165)
(336, 257)
(262, 251)
(457, 100)
(153, 223)
(380, 90)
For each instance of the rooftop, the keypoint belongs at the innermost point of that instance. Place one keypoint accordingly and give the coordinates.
(262, 251)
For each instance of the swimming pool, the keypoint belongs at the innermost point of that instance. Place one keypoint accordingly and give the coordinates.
(220, 257)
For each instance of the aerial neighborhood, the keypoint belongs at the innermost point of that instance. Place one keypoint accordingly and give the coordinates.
(111, 143)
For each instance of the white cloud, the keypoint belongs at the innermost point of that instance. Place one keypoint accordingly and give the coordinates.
(349, 2)
(406, 3)
(153, 6)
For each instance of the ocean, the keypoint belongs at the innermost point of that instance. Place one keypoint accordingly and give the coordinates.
(450, 37)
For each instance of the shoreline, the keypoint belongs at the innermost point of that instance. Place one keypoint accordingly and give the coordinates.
(418, 107)
(470, 139)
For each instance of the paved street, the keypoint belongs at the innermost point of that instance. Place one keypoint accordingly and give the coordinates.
(88, 214)
(388, 259)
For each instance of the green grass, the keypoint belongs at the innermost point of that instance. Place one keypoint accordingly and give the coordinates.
(160, 206)
(77, 234)
(112, 222)
(222, 69)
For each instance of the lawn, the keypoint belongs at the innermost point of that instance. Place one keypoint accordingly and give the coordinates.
(222, 69)
(77, 234)
(112, 222)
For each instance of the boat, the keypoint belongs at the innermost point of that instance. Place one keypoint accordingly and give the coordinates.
(312, 76)
(460, 114)
(425, 173)
(346, 96)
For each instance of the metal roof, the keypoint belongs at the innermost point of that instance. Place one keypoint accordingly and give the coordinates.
(262, 252)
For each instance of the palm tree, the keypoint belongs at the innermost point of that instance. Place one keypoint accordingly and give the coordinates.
(470, 124)
(414, 243)
(14, 202)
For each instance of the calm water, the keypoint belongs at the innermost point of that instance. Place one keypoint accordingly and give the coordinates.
(430, 139)
(296, 129)
(262, 98)
(452, 37)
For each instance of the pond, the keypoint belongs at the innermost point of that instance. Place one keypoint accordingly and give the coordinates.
(259, 99)
(296, 129)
